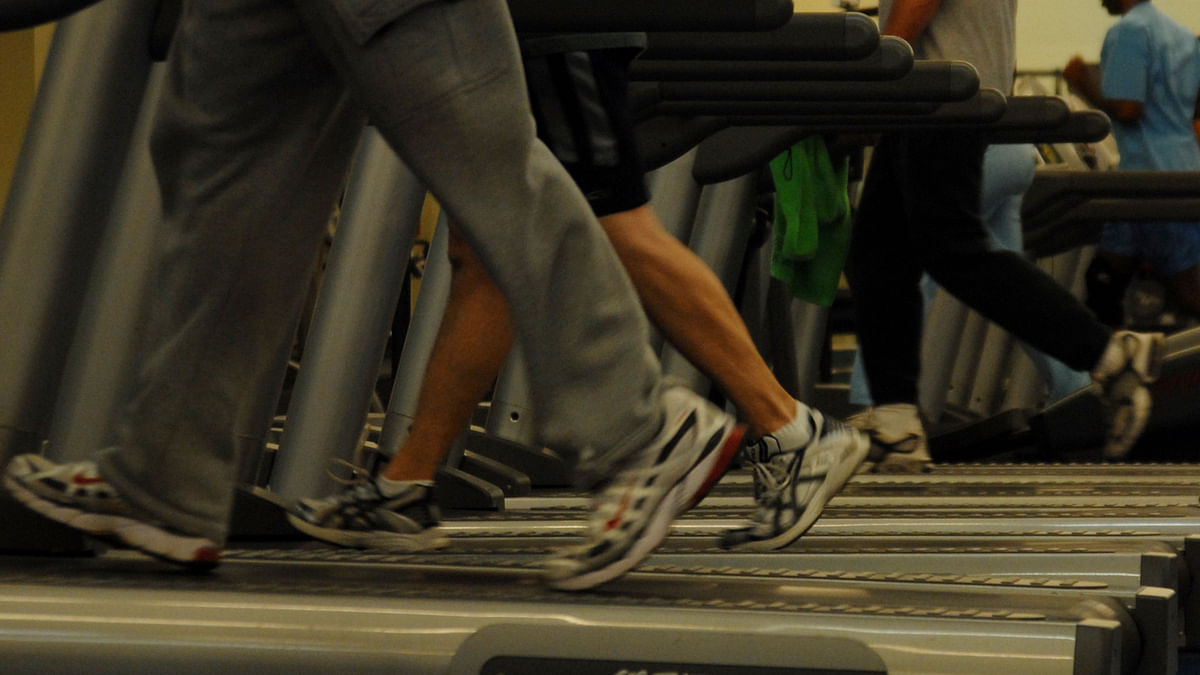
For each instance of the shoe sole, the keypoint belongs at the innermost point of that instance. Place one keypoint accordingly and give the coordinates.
(120, 530)
(897, 464)
(1138, 412)
(834, 481)
(427, 540)
(1131, 418)
(687, 492)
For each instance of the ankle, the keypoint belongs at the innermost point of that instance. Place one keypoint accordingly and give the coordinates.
(800, 429)
(390, 487)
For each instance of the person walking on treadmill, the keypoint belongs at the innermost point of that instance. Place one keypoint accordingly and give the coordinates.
(261, 112)
(919, 212)
(1149, 81)
(801, 458)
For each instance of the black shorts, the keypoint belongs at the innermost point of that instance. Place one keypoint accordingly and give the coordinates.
(578, 89)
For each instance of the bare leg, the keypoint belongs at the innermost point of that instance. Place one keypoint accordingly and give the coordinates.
(689, 305)
(471, 345)
(680, 293)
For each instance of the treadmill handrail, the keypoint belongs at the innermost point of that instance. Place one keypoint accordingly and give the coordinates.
(531, 15)
(1055, 188)
(807, 35)
(893, 59)
(1085, 126)
(23, 14)
(927, 81)
(738, 150)
(1064, 209)
(821, 109)
(659, 15)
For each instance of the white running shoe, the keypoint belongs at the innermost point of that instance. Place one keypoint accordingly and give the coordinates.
(633, 511)
(793, 485)
(77, 496)
(898, 441)
(361, 516)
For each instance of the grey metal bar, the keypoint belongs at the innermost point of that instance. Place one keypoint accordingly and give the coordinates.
(974, 330)
(649, 104)
(976, 113)
(661, 140)
(994, 364)
(893, 59)
(104, 357)
(561, 16)
(418, 342)
(747, 142)
(940, 348)
(674, 196)
(62, 189)
(511, 416)
(927, 81)
(1079, 127)
(348, 335)
(807, 35)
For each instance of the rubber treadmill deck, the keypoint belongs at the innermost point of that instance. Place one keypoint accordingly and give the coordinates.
(997, 524)
(942, 600)
(328, 611)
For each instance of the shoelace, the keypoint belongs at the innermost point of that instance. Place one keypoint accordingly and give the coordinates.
(359, 482)
(769, 477)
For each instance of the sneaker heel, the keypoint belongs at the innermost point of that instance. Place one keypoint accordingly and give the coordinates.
(732, 446)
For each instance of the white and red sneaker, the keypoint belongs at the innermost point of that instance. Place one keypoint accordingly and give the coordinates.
(77, 496)
(633, 511)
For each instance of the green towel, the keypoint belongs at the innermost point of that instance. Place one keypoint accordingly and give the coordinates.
(812, 221)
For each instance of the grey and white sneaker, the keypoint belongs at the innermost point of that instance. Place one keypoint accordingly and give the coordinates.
(77, 496)
(793, 485)
(898, 440)
(1131, 361)
(362, 516)
(633, 511)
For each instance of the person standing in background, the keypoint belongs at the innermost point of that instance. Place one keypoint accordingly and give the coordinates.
(919, 212)
(1148, 84)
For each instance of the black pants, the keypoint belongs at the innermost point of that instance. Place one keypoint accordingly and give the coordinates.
(920, 213)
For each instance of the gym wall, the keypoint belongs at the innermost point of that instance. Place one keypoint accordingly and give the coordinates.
(22, 55)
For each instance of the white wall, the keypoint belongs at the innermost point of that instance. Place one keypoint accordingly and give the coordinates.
(1050, 31)
(815, 5)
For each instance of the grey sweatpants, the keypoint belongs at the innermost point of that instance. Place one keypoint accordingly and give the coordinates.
(263, 107)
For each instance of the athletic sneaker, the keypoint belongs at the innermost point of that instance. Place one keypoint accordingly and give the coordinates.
(633, 511)
(793, 485)
(361, 516)
(77, 496)
(1131, 361)
(898, 441)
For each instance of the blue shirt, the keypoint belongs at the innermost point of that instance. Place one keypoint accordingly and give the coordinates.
(1149, 58)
